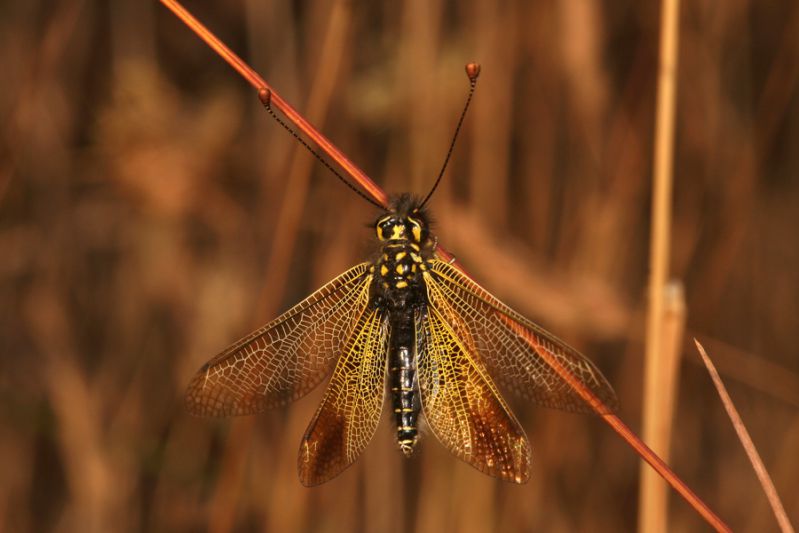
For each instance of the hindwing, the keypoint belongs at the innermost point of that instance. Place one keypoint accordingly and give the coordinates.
(350, 411)
(463, 407)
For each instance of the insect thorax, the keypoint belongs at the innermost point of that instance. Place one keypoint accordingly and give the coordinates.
(399, 272)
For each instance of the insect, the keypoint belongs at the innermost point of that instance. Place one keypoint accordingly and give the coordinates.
(407, 325)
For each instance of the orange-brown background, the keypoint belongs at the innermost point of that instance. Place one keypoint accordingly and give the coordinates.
(151, 213)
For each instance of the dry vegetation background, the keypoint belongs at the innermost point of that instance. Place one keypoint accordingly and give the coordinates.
(151, 213)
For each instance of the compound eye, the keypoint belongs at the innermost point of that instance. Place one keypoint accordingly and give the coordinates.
(415, 228)
(384, 228)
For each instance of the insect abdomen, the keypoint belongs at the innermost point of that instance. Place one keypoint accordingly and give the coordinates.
(402, 365)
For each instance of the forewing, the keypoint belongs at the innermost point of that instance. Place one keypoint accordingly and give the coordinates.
(464, 408)
(285, 359)
(350, 411)
(510, 359)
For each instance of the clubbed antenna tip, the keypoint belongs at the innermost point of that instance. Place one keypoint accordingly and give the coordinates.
(473, 71)
(265, 96)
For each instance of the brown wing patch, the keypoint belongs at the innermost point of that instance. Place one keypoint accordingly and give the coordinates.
(464, 408)
(350, 411)
(285, 359)
(510, 359)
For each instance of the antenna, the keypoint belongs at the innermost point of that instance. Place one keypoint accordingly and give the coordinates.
(265, 95)
(473, 71)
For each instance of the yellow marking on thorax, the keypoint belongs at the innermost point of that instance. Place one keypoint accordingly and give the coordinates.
(402, 284)
(416, 229)
(400, 256)
(383, 270)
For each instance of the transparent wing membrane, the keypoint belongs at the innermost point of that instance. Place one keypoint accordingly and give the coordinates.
(288, 357)
(462, 405)
(349, 414)
(474, 313)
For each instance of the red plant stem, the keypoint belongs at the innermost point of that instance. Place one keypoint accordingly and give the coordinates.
(380, 196)
(291, 114)
(621, 428)
(665, 472)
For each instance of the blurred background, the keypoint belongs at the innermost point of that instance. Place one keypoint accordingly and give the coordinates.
(151, 213)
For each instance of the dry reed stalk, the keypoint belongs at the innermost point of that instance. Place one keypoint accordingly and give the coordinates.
(749, 446)
(655, 496)
(379, 195)
(754, 371)
(652, 499)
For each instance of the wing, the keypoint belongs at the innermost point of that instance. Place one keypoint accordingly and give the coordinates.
(285, 359)
(462, 405)
(516, 365)
(350, 411)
